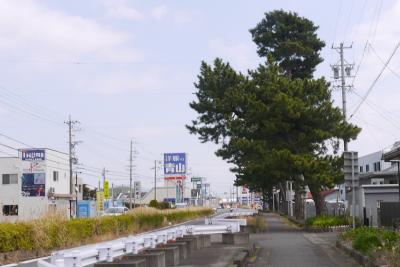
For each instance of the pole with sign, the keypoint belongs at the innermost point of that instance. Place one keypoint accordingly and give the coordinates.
(106, 189)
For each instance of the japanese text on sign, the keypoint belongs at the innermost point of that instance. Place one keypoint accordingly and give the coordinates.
(174, 163)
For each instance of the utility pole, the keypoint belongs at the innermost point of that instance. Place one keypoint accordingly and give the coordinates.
(103, 174)
(130, 177)
(72, 158)
(155, 180)
(345, 71)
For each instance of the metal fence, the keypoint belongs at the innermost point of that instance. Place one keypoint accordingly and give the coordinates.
(389, 214)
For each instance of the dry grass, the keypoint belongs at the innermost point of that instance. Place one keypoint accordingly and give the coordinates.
(56, 232)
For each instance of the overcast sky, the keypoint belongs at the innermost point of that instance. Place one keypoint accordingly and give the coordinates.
(125, 69)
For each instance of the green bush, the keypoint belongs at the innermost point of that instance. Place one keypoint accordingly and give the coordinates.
(153, 203)
(327, 221)
(367, 240)
(163, 205)
(16, 237)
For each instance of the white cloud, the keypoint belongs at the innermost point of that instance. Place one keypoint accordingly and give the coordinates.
(29, 30)
(112, 83)
(120, 9)
(159, 12)
(241, 55)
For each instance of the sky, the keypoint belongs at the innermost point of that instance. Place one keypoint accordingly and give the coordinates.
(125, 70)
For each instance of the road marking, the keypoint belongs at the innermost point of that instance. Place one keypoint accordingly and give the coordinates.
(313, 238)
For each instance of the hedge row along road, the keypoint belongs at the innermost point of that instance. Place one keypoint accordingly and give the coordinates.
(54, 232)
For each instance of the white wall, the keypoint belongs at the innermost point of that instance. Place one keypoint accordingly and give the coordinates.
(34, 207)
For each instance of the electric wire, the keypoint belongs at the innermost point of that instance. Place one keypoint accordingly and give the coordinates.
(375, 80)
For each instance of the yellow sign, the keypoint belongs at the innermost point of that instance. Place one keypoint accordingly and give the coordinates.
(106, 189)
(100, 201)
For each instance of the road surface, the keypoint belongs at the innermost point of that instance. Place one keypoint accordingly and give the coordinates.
(286, 245)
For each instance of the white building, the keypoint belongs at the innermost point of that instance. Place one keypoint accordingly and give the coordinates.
(35, 183)
(372, 163)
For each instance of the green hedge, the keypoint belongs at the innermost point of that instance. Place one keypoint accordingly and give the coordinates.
(368, 240)
(327, 221)
(55, 233)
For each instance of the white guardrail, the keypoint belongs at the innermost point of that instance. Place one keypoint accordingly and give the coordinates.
(107, 251)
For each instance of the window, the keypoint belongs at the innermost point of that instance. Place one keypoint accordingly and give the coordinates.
(10, 210)
(377, 181)
(55, 176)
(367, 168)
(361, 168)
(10, 178)
(377, 166)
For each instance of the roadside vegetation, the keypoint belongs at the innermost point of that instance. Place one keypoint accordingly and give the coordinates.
(258, 224)
(56, 232)
(379, 244)
(326, 221)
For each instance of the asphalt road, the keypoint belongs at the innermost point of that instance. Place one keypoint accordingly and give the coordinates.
(286, 245)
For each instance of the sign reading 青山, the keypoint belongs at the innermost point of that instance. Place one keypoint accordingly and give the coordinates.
(33, 154)
(33, 184)
(174, 164)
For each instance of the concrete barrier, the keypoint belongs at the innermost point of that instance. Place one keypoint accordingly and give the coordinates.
(205, 240)
(235, 238)
(182, 246)
(191, 243)
(153, 259)
(129, 263)
(171, 254)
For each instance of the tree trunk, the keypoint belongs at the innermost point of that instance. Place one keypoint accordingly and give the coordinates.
(298, 200)
(318, 200)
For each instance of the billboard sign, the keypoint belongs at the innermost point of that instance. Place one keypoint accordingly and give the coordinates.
(33, 184)
(175, 164)
(100, 201)
(33, 154)
(106, 189)
(196, 179)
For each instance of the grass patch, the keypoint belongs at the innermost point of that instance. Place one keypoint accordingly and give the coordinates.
(56, 232)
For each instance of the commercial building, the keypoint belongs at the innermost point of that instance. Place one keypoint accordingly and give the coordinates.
(36, 183)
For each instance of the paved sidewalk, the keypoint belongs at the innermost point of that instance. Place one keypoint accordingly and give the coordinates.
(286, 245)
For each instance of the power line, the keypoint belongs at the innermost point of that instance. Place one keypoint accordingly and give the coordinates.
(376, 79)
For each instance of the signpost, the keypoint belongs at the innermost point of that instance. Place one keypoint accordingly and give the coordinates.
(100, 201)
(350, 170)
(106, 189)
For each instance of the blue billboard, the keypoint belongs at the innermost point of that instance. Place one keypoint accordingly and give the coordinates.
(33, 154)
(175, 164)
(33, 184)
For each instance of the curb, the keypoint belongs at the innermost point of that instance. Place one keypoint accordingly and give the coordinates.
(359, 257)
(336, 229)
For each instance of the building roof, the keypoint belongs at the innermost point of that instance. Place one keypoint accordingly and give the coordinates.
(393, 154)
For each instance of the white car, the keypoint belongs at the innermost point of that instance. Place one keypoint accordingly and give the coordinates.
(115, 211)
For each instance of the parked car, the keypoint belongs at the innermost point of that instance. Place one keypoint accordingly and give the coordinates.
(115, 211)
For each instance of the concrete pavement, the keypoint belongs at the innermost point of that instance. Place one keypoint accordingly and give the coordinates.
(286, 245)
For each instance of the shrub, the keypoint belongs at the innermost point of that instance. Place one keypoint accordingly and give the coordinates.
(55, 232)
(327, 221)
(163, 205)
(153, 203)
(368, 240)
